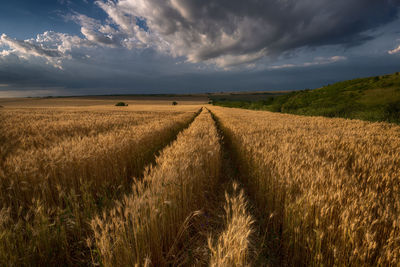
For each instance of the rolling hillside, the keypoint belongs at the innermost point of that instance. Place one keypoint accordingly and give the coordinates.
(373, 99)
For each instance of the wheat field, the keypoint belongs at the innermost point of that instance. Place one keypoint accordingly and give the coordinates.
(327, 190)
(59, 168)
(195, 185)
(150, 222)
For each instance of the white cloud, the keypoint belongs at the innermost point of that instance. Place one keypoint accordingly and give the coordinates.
(29, 48)
(64, 43)
(98, 38)
(5, 53)
(95, 32)
(119, 30)
(315, 62)
(125, 21)
(394, 51)
(51, 46)
(229, 61)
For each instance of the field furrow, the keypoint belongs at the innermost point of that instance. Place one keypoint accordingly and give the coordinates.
(152, 224)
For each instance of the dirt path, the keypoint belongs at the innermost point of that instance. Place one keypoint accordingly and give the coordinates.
(212, 222)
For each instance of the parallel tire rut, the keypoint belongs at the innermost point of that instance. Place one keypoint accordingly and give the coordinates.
(231, 167)
(231, 182)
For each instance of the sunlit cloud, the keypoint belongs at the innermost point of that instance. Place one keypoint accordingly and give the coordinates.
(317, 61)
(51, 46)
(394, 51)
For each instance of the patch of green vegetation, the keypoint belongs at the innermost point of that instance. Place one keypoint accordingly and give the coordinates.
(372, 99)
(121, 104)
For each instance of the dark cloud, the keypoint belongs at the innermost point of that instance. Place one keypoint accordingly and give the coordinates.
(237, 31)
(183, 46)
(224, 32)
(116, 73)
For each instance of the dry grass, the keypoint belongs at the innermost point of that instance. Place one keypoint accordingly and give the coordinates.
(233, 245)
(151, 223)
(328, 189)
(60, 168)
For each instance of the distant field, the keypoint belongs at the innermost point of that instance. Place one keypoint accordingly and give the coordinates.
(193, 185)
(102, 100)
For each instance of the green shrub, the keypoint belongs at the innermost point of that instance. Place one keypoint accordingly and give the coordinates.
(174, 103)
(121, 104)
(388, 84)
(392, 112)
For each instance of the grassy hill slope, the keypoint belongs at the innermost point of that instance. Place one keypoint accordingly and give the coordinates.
(374, 99)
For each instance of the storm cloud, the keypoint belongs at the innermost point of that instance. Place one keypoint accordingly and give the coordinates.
(231, 32)
(222, 32)
(155, 46)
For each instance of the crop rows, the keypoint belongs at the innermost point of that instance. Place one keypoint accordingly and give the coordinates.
(150, 224)
(108, 187)
(51, 184)
(327, 190)
(40, 128)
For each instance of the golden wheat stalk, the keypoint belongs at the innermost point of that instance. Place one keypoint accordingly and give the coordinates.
(233, 245)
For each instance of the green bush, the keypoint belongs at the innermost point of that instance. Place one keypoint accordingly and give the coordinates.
(392, 112)
(121, 104)
(174, 103)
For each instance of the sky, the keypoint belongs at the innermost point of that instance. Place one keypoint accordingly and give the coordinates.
(86, 47)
